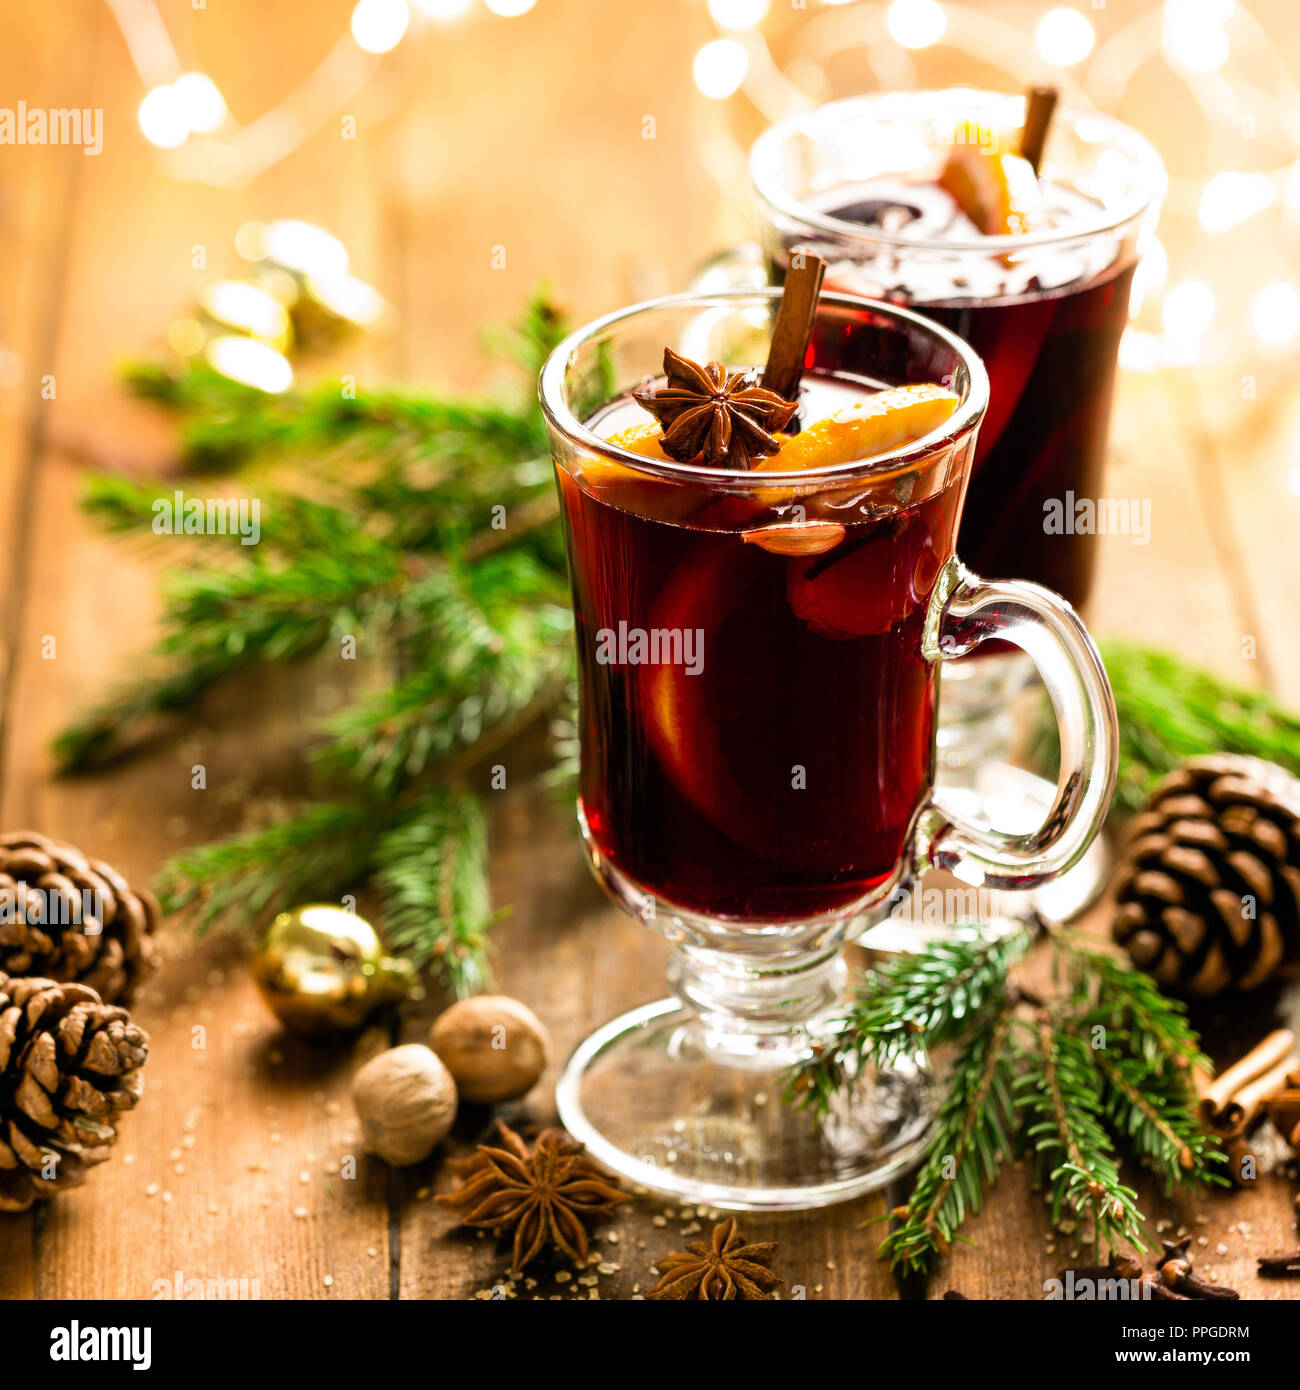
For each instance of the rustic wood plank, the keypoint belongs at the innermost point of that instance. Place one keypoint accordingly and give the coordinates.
(230, 1168)
(46, 64)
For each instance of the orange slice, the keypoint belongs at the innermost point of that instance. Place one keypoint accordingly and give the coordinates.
(998, 191)
(637, 439)
(631, 491)
(872, 426)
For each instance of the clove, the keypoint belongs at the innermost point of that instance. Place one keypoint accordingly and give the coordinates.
(1153, 1288)
(1175, 1270)
(1279, 1266)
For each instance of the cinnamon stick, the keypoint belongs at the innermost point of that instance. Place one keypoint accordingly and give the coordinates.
(792, 331)
(1258, 1060)
(1250, 1098)
(1040, 103)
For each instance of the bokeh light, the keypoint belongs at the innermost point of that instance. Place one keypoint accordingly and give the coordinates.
(251, 362)
(201, 103)
(916, 23)
(237, 304)
(1230, 198)
(510, 9)
(1275, 313)
(1064, 37)
(1188, 310)
(378, 25)
(162, 118)
(308, 249)
(1194, 36)
(738, 14)
(720, 68)
(349, 298)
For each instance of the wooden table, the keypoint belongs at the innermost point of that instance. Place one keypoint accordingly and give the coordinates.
(230, 1167)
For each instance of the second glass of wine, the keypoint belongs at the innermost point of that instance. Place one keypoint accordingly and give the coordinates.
(883, 188)
(758, 655)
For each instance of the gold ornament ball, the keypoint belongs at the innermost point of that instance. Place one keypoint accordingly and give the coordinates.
(322, 969)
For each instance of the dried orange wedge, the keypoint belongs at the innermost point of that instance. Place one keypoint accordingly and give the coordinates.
(997, 190)
(637, 439)
(873, 426)
(631, 491)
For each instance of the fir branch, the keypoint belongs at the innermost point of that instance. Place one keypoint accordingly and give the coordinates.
(218, 622)
(911, 1003)
(429, 524)
(225, 425)
(432, 876)
(1170, 710)
(1060, 1093)
(323, 850)
(1109, 993)
(493, 643)
(1153, 1116)
(972, 1138)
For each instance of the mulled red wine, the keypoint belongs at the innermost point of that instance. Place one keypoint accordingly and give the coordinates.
(1047, 323)
(757, 726)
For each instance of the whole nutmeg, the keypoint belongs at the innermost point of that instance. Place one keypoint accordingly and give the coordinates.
(406, 1102)
(494, 1046)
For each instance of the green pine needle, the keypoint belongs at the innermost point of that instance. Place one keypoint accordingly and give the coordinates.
(414, 532)
(971, 1140)
(1059, 1092)
(1101, 1068)
(1170, 710)
(323, 851)
(909, 1004)
(432, 874)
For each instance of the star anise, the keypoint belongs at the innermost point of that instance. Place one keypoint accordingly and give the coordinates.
(543, 1195)
(725, 1268)
(704, 411)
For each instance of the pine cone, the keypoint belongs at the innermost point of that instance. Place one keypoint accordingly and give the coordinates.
(69, 1066)
(1208, 888)
(68, 918)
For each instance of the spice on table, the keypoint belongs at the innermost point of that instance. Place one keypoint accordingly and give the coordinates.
(544, 1195)
(1175, 1268)
(722, 1269)
(1285, 1265)
(1232, 1103)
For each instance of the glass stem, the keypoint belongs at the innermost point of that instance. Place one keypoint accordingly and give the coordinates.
(757, 1009)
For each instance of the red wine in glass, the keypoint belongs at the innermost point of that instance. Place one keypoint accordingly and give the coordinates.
(1048, 326)
(770, 767)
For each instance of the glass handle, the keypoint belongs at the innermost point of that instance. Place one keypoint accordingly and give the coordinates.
(967, 611)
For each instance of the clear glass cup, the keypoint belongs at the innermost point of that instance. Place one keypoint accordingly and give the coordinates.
(854, 182)
(758, 660)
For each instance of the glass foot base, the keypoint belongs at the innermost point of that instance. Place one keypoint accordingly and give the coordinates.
(656, 1100)
(1004, 797)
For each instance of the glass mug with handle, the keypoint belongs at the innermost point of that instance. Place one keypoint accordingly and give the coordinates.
(875, 185)
(758, 656)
